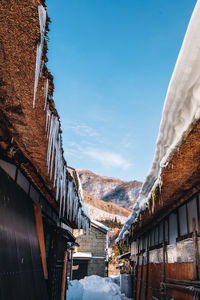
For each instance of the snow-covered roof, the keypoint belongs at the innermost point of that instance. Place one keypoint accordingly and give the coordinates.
(76, 208)
(100, 225)
(119, 266)
(181, 111)
(82, 255)
(124, 255)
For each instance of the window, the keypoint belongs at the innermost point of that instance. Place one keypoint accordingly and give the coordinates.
(148, 239)
(9, 168)
(34, 195)
(198, 201)
(167, 231)
(137, 244)
(144, 242)
(43, 205)
(140, 241)
(192, 213)
(134, 248)
(173, 230)
(23, 182)
(182, 220)
(160, 238)
(152, 234)
(156, 235)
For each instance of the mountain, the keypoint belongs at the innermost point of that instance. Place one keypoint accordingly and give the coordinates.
(108, 189)
(101, 210)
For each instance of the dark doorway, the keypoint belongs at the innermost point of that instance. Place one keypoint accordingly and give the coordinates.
(82, 270)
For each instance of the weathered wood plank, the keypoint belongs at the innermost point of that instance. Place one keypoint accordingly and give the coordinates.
(63, 288)
(40, 232)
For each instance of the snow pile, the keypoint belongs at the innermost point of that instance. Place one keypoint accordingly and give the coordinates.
(181, 111)
(94, 287)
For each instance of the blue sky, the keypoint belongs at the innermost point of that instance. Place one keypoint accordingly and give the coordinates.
(112, 61)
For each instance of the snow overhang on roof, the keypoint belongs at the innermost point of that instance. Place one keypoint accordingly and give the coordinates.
(82, 255)
(119, 266)
(100, 226)
(180, 113)
(125, 255)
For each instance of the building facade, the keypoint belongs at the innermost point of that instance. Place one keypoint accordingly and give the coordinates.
(40, 200)
(92, 252)
(163, 230)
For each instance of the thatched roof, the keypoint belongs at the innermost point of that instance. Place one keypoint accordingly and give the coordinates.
(24, 130)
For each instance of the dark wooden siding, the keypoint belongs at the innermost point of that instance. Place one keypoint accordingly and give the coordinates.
(21, 274)
(176, 271)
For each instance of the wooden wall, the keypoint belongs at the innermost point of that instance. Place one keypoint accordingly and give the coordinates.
(174, 272)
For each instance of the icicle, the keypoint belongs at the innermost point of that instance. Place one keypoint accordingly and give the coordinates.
(53, 136)
(80, 190)
(56, 165)
(84, 223)
(54, 143)
(41, 68)
(50, 141)
(46, 93)
(70, 191)
(69, 197)
(42, 19)
(75, 207)
(87, 229)
(71, 204)
(48, 118)
(37, 70)
(61, 198)
(49, 125)
(57, 189)
(64, 189)
(79, 218)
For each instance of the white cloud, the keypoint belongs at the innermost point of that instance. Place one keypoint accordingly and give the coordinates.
(108, 158)
(89, 148)
(80, 129)
(127, 141)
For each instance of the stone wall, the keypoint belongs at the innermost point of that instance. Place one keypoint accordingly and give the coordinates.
(96, 244)
(96, 266)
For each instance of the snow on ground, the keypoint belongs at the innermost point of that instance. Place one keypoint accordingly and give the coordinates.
(95, 288)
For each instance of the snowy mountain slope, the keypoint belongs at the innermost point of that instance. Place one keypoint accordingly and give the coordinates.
(99, 215)
(101, 210)
(110, 189)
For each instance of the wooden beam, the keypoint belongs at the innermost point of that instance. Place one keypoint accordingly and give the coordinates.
(136, 276)
(195, 261)
(64, 275)
(147, 271)
(141, 277)
(40, 232)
